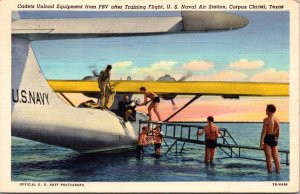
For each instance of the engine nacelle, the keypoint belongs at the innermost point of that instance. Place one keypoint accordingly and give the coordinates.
(171, 79)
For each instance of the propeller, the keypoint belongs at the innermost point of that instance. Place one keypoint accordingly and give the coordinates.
(93, 69)
(149, 78)
(92, 77)
(185, 77)
(173, 104)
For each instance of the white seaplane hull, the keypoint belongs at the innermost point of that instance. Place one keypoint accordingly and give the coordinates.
(39, 114)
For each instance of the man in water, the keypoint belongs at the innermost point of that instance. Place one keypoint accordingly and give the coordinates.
(142, 141)
(269, 138)
(211, 135)
(126, 107)
(104, 85)
(154, 99)
(157, 140)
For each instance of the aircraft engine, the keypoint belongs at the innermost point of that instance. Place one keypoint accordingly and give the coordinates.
(167, 78)
(171, 97)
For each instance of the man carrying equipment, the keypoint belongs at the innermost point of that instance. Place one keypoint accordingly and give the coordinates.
(126, 108)
(105, 87)
(154, 99)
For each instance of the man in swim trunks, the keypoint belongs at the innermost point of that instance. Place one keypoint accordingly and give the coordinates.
(211, 135)
(154, 99)
(157, 140)
(269, 138)
(142, 141)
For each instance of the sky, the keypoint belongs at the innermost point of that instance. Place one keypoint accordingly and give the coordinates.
(258, 52)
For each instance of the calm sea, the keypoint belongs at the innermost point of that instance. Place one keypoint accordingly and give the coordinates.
(34, 161)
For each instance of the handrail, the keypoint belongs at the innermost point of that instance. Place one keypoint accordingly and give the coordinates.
(176, 133)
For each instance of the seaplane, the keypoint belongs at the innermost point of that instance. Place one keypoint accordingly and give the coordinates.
(40, 114)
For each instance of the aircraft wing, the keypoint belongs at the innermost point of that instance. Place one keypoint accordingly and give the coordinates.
(35, 29)
(177, 87)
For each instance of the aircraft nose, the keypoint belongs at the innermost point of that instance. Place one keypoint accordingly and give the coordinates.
(212, 21)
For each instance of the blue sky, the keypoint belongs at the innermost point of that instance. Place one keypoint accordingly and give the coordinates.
(258, 52)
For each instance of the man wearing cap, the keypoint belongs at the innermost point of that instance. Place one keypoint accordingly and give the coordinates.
(126, 107)
(104, 85)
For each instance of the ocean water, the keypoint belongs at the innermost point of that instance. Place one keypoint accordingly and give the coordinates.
(34, 161)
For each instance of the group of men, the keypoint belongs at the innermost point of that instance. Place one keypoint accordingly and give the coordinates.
(106, 89)
(268, 140)
(147, 137)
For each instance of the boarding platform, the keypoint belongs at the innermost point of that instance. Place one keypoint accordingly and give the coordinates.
(181, 134)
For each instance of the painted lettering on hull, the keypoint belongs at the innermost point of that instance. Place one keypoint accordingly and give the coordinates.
(29, 97)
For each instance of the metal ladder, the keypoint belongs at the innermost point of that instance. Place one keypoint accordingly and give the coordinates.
(186, 133)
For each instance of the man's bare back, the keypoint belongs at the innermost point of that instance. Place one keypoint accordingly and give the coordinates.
(269, 138)
(211, 132)
(272, 125)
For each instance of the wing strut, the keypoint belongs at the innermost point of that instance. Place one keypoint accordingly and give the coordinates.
(187, 104)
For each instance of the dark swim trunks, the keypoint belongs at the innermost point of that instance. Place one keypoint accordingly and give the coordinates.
(271, 140)
(157, 146)
(156, 99)
(140, 150)
(210, 143)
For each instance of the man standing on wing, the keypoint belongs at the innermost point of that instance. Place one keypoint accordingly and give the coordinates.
(105, 87)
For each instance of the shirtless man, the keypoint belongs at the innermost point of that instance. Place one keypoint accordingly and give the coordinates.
(269, 138)
(154, 99)
(211, 135)
(142, 141)
(157, 140)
